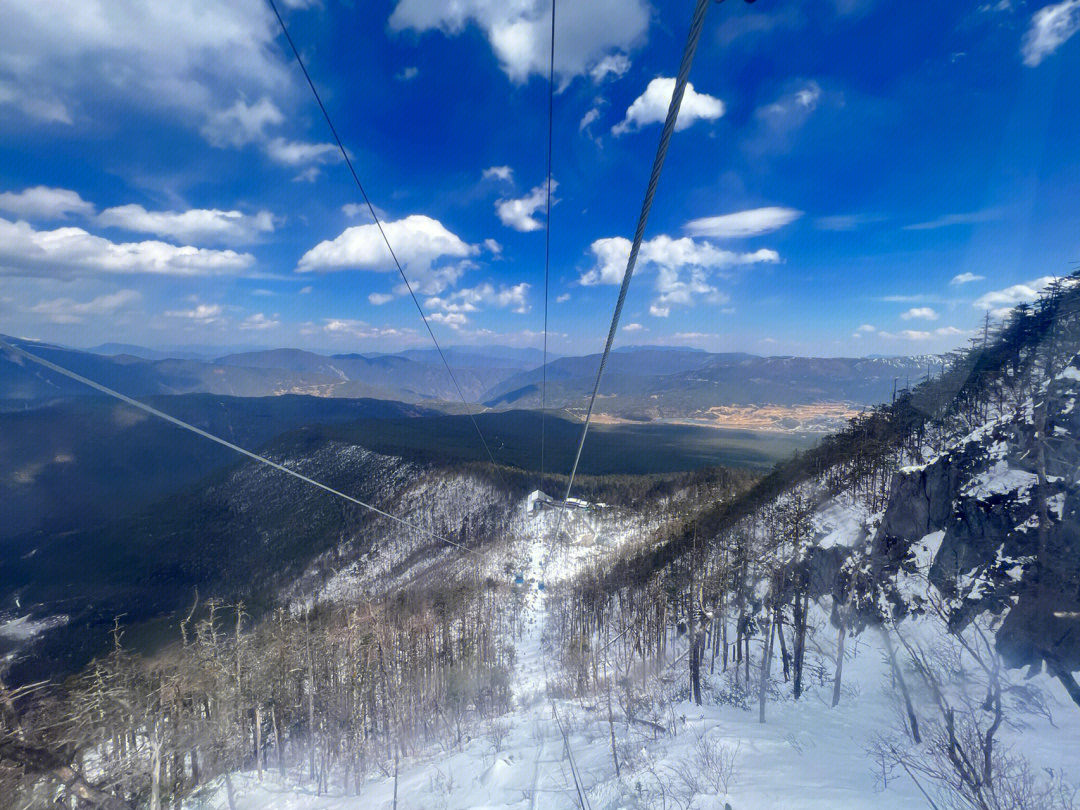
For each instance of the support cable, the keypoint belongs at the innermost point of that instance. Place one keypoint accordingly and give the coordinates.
(547, 244)
(658, 164)
(378, 223)
(142, 406)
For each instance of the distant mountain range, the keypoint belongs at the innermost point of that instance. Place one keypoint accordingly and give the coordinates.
(641, 383)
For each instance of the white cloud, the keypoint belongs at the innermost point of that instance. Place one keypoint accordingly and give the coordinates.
(242, 123)
(200, 314)
(67, 310)
(193, 225)
(651, 107)
(683, 267)
(455, 320)
(48, 110)
(258, 322)
(562, 299)
(346, 327)
(378, 299)
(67, 252)
(42, 202)
(970, 218)
(149, 53)
(633, 327)
(922, 335)
(498, 173)
(519, 32)
(965, 278)
(301, 153)
(519, 214)
(492, 247)
(407, 74)
(306, 290)
(743, 223)
(921, 313)
(612, 254)
(615, 64)
(1051, 27)
(676, 288)
(999, 302)
(308, 175)
(588, 119)
(472, 300)
(422, 245)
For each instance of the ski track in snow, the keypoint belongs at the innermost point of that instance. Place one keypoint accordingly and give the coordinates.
(807, 756)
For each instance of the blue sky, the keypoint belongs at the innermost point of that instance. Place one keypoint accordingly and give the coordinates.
(849, 177)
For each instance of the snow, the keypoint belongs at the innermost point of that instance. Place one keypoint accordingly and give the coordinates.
(24, 628)
(807, 756)
(843, 521)
(1001, 479)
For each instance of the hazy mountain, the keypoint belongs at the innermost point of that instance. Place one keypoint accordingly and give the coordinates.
(653, 383)
(398, 376)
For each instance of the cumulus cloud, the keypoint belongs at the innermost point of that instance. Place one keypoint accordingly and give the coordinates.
(562, 299)
(965, 278)
(1050, 28)
(743, 223)
(67, 310)
(1000, 302)
(683, 268)
(407, 74)
(612, 253)
(42, 202)
(474, 299)
(519, 213)
(633, 327)
(67, 252)
(378, 299)
(920, 313)
(588, 34)
(651, 107)
(423, 246)
(193, 225)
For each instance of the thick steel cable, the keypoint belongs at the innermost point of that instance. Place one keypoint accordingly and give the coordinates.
(696, 24)
(658, 164)
(547, 244)
(378, 223)
(142, 406)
